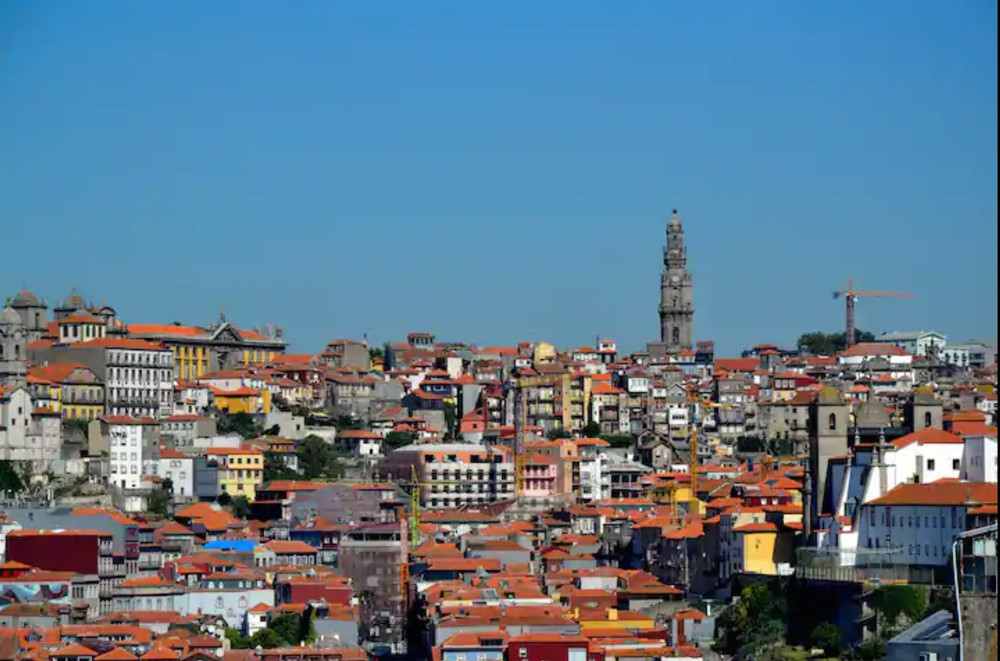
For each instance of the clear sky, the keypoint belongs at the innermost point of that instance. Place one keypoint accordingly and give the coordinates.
(503, 171)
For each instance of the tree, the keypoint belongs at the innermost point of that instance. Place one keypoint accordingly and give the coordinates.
(826, 636)
(450, 419)
(397, 439)
(237, 641)
(224, 499)
(288, 626)
(159, 503)
(619, 441)
(555, 434)
(754, 621)
(268, 639)
(591, 430)
(819, 343)
(10, 478)
(892, 601)
(241, 423)
(347, 421)
(873, 649)
(168, 486)
(240, 507)
(275, 467)
(318, 459)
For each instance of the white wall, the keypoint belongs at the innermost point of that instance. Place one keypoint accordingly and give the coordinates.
(979, 464)
(125, 446)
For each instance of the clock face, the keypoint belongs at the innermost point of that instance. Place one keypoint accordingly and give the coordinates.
(674, 279)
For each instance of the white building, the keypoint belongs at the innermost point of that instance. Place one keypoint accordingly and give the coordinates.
(955, 354)
(873, 360)
(26, 433)
(139, 379)
(979, 461)
(595, 480)
(179, 469)
(132, 445)
(917, 343)
(361, 443)
(927, 455)
(454, 474)
(918, 522)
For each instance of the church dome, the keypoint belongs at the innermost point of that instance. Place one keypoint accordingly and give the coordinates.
(74, 301)
(9, 316)
(24, 299)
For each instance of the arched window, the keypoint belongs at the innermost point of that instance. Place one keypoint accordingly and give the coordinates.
(676, 335)
(928, 419)
(832, 421)
(17, 351)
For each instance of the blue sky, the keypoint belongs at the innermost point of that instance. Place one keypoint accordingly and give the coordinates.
(502, 171)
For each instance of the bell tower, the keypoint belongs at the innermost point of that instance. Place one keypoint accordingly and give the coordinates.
(676, 300)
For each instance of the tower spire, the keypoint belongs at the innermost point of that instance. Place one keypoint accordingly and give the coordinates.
(676, 308)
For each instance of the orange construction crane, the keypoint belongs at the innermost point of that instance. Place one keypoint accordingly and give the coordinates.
(851, 295)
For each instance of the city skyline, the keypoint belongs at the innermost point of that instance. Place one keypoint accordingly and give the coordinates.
(330, 161)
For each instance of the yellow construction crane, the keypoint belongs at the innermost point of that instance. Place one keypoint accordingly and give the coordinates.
(409, 532)
(694, 506)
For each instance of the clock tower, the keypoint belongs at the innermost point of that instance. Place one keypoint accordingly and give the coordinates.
(676, 303)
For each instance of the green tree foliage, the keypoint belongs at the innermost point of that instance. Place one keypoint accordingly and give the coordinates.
(873, 649)
(827, 637)
(267, 639)
(224, 499)
(237, 641)
(159, 502)
(591, 430)
(318, 459)
(345, 421)
(622, 441)
(275, 468)
(10, 478)
(240, 507)
(450, 422)
(397, 439)
(892, 601)
(752, 623)
(556, 434)
(819, 343)
(289, 627)
(242, 424)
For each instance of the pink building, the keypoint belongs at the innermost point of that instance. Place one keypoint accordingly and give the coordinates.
(541, 476)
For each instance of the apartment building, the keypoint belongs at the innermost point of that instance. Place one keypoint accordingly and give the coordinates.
(454, 474)
(138, 375)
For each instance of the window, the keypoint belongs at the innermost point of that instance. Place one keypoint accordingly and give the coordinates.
(832, 421)
(955, 463)
(930, 464)
(928, 419)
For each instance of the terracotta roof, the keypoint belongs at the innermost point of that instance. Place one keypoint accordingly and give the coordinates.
(928, 436)
(118, 654)
(863, 349)
(940, 493)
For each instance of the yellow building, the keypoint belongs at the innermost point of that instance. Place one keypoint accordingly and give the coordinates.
(611, 619)
(70, 389)
(198, 350)
(242, 400)
(241, 470)
(556, 399)
(761, 547)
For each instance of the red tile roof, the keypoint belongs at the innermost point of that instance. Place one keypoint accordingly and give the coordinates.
(941, 493)
(928, 436)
